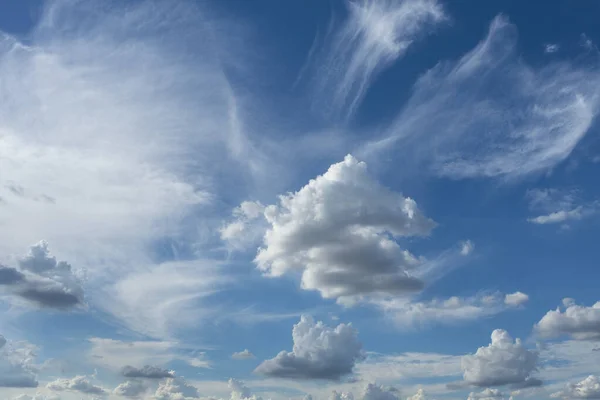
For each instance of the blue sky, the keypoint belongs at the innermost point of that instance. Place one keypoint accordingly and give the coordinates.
(370, 200)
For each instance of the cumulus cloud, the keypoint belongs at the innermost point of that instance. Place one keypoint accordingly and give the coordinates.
(336, 231)
(76, 384)
(147, 371)
(531, 118)
(377, 392)
(239, 391)
(17, 364)
(319, 352)
(420, 395)
(242, 355)
(502, 362)
(579, 322)
(335, 395)
(371, 38)
(407, 314)
(588, 388)
(486, 394)
(42, 281)
(247, 227)
(131, 388)
(176, 389)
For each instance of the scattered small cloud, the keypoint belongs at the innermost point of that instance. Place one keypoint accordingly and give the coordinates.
(242, 355)
(551, 48)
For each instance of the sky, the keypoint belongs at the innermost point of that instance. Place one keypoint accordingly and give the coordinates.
(304, 200)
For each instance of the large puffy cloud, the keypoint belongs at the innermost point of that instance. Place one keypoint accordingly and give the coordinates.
(579, 322)
(41, 280)
(319, 352)
(17, 367)
(176, 389)
(532, 117)
(502, 362)
(131, 388)
(78, 383)
(373, 35)
(588, 388)
(335, 230)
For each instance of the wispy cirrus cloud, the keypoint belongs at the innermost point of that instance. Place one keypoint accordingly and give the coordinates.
(489, 114)
(371, 37)
(559, 206)
(117, 124)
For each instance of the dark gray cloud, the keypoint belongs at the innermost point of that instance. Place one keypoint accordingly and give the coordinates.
(41, 280)
(10, 276)
(147, 371)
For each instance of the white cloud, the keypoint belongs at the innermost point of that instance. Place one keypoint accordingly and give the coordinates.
(131, 388)
(558, 216)
(116, 354)
(174, 289)
(335, 231)
(175, 389)
(103, 160)
(41, 281)
(420, 395)
(579, 322)
(372, 37)
(408, 315)
(239, 391)
(392, 367)
(377, 392)
(76, 384)
(467, 248)
(489, 114)
(17, 367)
(558, 206)
(589, 388)
(551, 48)
(486, 394)
(516, 299)
(319, 352)
(36, 396)
(247, 227)
(242, 355)
(502, 362)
